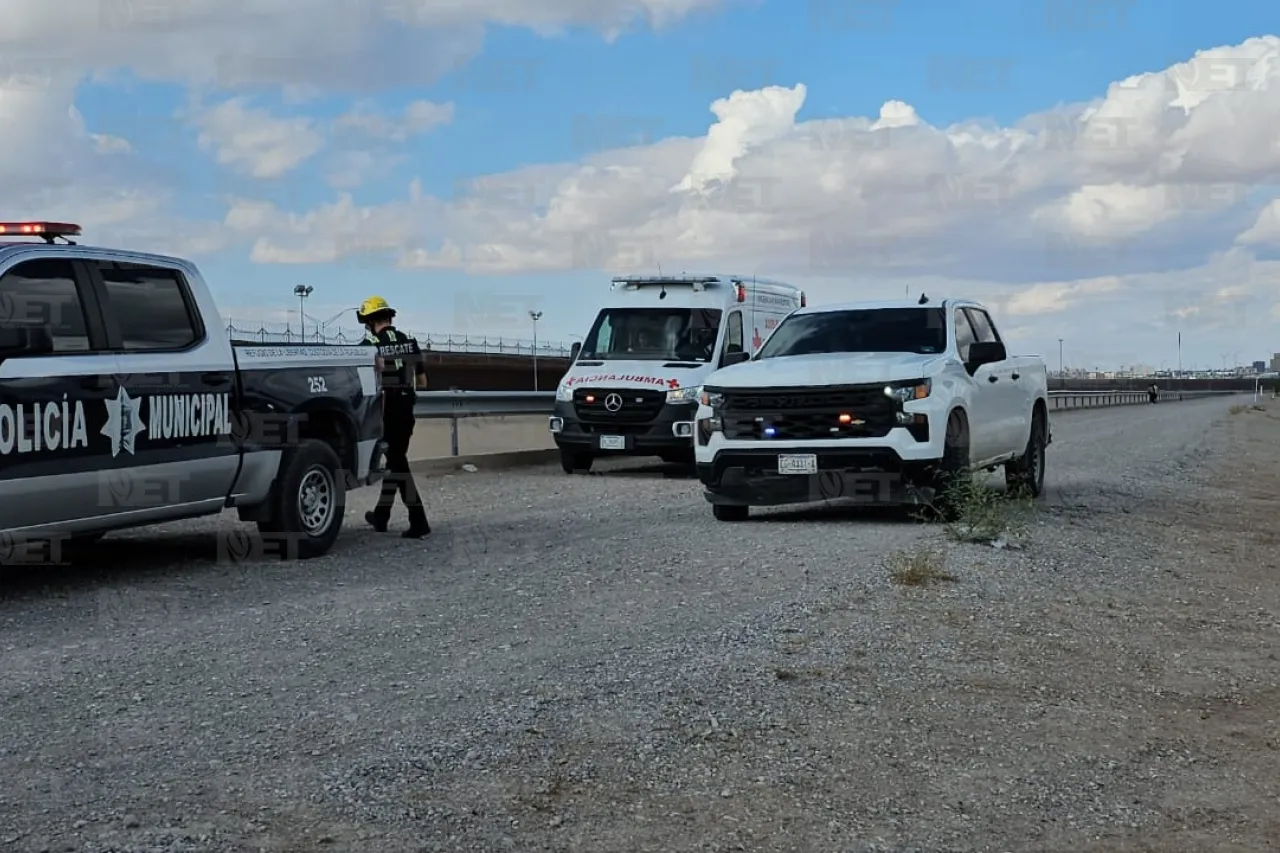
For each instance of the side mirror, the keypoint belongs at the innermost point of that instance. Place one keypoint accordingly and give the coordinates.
(574, 350)
(987, 352)
(17, 341)
(736, 357)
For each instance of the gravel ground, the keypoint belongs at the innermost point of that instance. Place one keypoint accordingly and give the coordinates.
(594, 664)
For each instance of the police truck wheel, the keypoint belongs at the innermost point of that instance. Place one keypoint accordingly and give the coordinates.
(572, 462)
(730, 512)
(309, 502)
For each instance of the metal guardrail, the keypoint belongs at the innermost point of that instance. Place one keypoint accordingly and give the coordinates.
(1100, 399)
(458, 405)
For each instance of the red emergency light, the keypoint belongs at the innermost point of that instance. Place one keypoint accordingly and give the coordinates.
(47, 231)
(742, 291)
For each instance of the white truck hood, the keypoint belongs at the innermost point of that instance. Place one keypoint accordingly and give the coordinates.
(635, 374)
(845, 368)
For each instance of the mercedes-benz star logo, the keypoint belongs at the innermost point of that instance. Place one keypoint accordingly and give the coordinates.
(613, 402)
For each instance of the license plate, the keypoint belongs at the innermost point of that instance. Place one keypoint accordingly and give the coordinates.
(613, 442)
(802, 464)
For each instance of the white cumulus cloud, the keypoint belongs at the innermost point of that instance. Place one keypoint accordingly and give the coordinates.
(255, 142)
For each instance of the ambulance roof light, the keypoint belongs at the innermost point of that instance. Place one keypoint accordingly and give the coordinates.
(48, 231)
(741, 291)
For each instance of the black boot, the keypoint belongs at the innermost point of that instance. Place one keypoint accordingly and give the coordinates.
(377, 523)
(418, 526)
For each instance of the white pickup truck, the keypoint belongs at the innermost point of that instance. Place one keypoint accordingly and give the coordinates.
(884, 402)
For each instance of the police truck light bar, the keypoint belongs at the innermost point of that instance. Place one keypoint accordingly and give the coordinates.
(45, 230)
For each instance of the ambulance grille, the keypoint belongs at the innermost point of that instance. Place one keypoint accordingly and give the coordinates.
(638, 405)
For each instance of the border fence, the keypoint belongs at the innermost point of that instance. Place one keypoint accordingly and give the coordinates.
(283, 333)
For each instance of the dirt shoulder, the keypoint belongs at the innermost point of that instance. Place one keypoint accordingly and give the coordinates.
(1216, 693)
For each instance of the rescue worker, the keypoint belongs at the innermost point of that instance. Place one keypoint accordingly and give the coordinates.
(402, 373)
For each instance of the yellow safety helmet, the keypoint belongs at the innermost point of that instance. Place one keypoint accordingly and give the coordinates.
(372, 306)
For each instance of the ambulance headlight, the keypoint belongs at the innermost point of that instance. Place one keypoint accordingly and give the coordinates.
(684, 395)
(564, 394)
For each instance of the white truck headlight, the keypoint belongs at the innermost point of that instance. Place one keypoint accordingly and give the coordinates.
(564, 394)
(905, 392)
(711, 399)
(684, 395)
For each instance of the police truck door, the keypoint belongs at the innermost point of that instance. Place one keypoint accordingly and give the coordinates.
(52, 403)
(172, 421)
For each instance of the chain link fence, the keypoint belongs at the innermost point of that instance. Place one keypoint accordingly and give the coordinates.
(283, 333)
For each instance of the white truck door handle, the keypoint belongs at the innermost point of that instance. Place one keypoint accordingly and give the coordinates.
(1016, 375)
(993, 378)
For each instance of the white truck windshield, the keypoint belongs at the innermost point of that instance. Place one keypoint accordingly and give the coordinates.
(916, 330)
(653, 334)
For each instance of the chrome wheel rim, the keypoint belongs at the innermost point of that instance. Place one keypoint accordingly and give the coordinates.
(316, 502)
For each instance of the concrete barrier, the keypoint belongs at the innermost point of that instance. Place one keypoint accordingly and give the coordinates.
(488, 443)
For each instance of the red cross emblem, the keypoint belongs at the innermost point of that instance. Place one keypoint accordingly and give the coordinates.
(673, 384)
(757, 340)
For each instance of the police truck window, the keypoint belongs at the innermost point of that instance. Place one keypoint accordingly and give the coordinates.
(43, 294)
(150, 306)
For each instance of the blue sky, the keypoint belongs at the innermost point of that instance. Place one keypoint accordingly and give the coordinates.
(527, 100)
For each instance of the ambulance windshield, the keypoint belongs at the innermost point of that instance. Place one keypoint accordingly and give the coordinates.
(653, 334)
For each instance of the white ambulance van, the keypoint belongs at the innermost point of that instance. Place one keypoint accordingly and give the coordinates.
(632, 389)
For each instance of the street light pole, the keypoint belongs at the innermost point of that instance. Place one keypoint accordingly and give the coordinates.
(535, 316)
(302, 292)
(1062, 371)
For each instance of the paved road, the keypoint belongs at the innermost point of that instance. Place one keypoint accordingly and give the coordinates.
(488, 435)
(442, 693)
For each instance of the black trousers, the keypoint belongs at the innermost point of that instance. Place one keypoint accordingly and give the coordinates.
(398, 423)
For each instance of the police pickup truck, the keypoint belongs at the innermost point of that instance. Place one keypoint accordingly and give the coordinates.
(123, 402)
